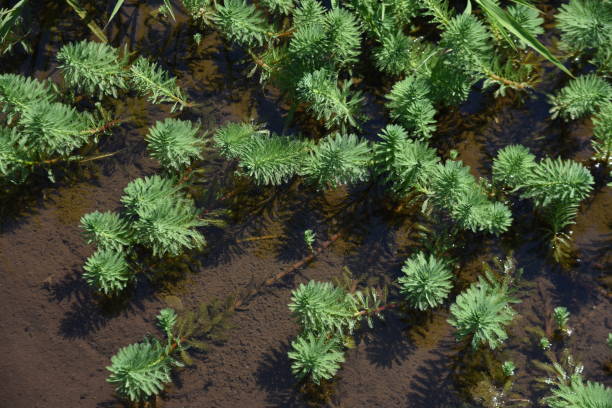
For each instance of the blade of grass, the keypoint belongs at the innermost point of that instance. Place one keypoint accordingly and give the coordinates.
(82, 13)
(115, 11)
(506, 21)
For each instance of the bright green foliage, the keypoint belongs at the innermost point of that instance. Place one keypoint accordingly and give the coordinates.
(403, 163)
(232, 138)
(585, 25)
(140, 370)
(272, 160)
(528, 18)
(426, 281)
(468, 39)
(335, 105)
(558, 181)
(308, 12)
(143, 194)
(12, 30)
(602, 133)
(315, 357)
(320, 308)
(410, 105)
(165, 220)
(279, 6)
(394, 54)
(241, 23)
(343, 36)
(170, 228)
(55, 128)
(455, 190)
(107, 271)
(107, 230)
(338, 159)
(481, 312)
(513, 166)
(174, 143)
(94, 68)
(578, 394)
(561, 316)
(580, 97)
(13, 155)
(508, 368)
(150, 79)
(166, 320)
(18, 92)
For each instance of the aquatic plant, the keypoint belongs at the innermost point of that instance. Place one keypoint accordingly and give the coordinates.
(426, 281)
(403, 163)
(317, 358)
(336, 160)
(581, 96)
(556, 188)
(106, 230)
(410, 105)
(107, 271)
(94, 68)
(579, 394)
(150, 80)
(481, 313)
(174, 143)
(586, 26)
(508, 368)
(320, 307)
(335, 105)
(561, 316)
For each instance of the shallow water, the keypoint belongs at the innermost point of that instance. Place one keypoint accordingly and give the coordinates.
(55, 324)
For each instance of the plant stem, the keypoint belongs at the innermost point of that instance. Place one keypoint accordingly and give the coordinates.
(377, 310)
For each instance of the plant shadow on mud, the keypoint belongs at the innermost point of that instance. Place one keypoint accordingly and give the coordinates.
(387, 343)
(89, 312)
(273, 375)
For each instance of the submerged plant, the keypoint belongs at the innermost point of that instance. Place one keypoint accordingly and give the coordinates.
(426, 281)
(320, 307)
(140, 370)
(107, 271)
(107, 230)
(149, 79)
(338, 159)
(582, 96)
(95, 68)
(317, 358)
(481, 313)
(174, 143)
(576, 393)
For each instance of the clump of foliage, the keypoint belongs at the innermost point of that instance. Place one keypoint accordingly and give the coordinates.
(141, 370)
(336, 160)
(426, 281)
(586, 27)
(556, 188)
(481, 312)
(410, 106)
(94, 68)
(315, 358)
(582, 96)
(327, 315)
(158, 216)
(174, 143)
(41, 131)
(149, 79)
(108, 271)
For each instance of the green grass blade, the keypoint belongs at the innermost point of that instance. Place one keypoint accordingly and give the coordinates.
(82, 13)
(115, 10)
(506, 21)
